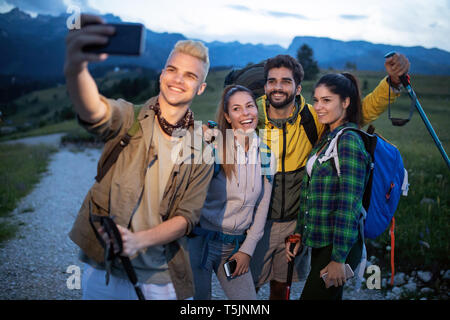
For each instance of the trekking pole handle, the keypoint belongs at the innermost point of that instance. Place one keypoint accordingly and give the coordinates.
(404, 78)
(407, 84)
(293, 239)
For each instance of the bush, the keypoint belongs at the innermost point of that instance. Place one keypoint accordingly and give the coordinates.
(305, 56)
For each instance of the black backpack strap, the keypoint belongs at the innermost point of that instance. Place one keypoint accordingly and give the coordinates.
(370, 141)
(112, 157)
(307, 121)
(114, 154)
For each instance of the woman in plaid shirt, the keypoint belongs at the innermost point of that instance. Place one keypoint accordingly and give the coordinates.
(330, 205)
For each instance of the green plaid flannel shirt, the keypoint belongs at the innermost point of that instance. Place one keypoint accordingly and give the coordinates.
(330, 206)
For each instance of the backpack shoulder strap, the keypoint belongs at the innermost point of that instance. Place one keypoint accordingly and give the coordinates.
(266, 161)
(135, 126)
(332, 150)
(307, 121)
(124, 141)
(261, 104)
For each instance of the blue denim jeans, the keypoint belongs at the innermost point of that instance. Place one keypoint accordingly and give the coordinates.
(239, 288)
(94, 287)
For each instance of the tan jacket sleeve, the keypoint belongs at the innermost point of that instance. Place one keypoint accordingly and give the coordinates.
(191, 204)
(118, 113)
(376, 102)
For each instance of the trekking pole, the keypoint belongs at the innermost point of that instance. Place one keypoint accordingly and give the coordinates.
(292, 239)
(407, 84)
(114, 234)
(132, 276)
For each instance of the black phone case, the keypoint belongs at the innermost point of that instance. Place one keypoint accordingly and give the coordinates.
(129, 39)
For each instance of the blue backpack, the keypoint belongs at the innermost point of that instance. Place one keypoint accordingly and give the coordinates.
(388, 180)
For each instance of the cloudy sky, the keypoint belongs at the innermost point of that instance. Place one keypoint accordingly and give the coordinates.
(399, 22)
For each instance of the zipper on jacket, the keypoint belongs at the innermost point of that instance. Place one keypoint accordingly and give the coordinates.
(283, 176)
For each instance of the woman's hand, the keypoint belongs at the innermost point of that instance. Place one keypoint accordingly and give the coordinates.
(291, 255)
(336, 273)
(209, 134)
(242, 263)
(396, 66)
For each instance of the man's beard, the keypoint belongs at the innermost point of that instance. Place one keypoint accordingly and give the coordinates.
(281, 104)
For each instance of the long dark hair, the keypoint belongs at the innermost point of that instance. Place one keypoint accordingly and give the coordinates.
(345, 85)
(223, 124)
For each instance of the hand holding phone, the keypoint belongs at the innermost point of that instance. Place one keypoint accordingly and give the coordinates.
(128, 39)
(93, 31)
(348, 274)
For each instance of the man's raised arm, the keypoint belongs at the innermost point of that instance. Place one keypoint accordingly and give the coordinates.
(81, 86)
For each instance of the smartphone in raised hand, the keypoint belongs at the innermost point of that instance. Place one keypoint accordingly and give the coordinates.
(128, 39)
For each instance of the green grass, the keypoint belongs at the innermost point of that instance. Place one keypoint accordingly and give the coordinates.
(205, 105)
(7, 231)
(20, 169)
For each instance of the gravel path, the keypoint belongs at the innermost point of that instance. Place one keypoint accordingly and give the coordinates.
(34, 264)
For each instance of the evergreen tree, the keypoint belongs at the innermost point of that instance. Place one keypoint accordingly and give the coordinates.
(305, 56)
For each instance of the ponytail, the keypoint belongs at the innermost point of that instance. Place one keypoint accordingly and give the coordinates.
(354, 110)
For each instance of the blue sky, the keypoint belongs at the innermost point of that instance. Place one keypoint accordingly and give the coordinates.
(407, 23)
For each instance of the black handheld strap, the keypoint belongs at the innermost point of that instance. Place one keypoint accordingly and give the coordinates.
(114, 248)
(399, 122)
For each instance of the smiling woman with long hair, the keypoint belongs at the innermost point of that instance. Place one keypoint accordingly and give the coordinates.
(235, 209)
(330, 205)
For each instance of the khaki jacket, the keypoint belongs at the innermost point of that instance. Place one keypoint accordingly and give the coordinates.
(119, 191)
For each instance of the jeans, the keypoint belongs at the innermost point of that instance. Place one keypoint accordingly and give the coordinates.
(239, 288)
(94, 288)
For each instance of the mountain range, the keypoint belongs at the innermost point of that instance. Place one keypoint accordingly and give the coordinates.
(34, 47)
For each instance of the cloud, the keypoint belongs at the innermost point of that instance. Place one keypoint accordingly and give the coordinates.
(275, 14)
(278, 14)
(238, 7)
(352, 17)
